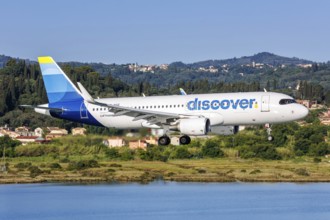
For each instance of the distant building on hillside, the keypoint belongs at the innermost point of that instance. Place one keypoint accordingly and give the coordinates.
(305, 65)
(55, 132)
(175, 140)
(26, 139)
(24, 131)
(114, 142)
(306, 103)
(38, 132)
(151, 140)
(78, 131)
(11, 134)
(325, 117)
(138, 144)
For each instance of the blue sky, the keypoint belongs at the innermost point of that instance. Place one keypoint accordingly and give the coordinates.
(155, 32)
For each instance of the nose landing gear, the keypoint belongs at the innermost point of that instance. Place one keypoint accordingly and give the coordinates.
(269, 130)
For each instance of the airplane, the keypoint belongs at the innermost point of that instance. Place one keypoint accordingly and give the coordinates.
(189, 114)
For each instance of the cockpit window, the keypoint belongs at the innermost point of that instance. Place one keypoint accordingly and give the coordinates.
(287, 101)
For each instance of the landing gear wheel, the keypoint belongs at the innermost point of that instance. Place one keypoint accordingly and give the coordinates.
(185, 139)
(270, 138)
(164, 140)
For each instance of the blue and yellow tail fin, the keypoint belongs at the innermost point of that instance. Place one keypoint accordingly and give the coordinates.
(59, 87)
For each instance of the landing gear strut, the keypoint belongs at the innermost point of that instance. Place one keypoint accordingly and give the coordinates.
(164, 140)
(185, 139)
(269, 130)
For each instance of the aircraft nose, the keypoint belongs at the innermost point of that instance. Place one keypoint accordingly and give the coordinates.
(303, 111)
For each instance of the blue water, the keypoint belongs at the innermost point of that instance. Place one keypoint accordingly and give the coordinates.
(163, 200)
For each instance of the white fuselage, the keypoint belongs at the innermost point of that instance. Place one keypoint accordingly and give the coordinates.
(246, 108)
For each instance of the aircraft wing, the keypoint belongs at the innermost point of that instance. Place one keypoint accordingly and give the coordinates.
(153, 117)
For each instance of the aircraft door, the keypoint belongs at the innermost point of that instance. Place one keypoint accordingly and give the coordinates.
(83, 111)
(265, 103)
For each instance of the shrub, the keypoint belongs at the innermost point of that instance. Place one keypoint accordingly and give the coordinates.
(65, 160)
(55, 166)
(211, 149)
(301, 172)
(23, 165)
(127, 154)
(255, 171)
(181, 152)
(34, 171)
(153, 153)
(115, 165)
(201, 171)
(301, 147)
(83, 164)
(112, 153)
(266, 151)
(263, 151)
(320, 149)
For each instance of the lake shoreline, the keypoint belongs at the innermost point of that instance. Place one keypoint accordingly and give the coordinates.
(6, 182)
(222, 170)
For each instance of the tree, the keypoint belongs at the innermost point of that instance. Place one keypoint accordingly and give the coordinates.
(263, 151)
(320, 149)
(181, 152)
(211, 149)
(301, 147)
(9, 145)
(112, 153)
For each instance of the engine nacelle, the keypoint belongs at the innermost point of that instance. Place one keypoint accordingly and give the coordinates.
(194, 126)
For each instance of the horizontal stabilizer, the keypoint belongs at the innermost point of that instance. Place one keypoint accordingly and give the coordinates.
(42, 107)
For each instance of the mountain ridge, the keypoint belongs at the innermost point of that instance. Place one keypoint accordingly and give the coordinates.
(262, 57)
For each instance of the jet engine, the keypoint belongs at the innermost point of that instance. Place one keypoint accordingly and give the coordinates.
(193, 126)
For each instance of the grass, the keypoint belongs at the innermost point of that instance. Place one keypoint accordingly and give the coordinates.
(206, 170)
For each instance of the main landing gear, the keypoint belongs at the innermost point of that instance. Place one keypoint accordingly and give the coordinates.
(269, 130)
(165, 140)
(185, 139)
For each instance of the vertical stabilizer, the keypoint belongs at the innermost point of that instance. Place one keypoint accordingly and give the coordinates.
(58, 86)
